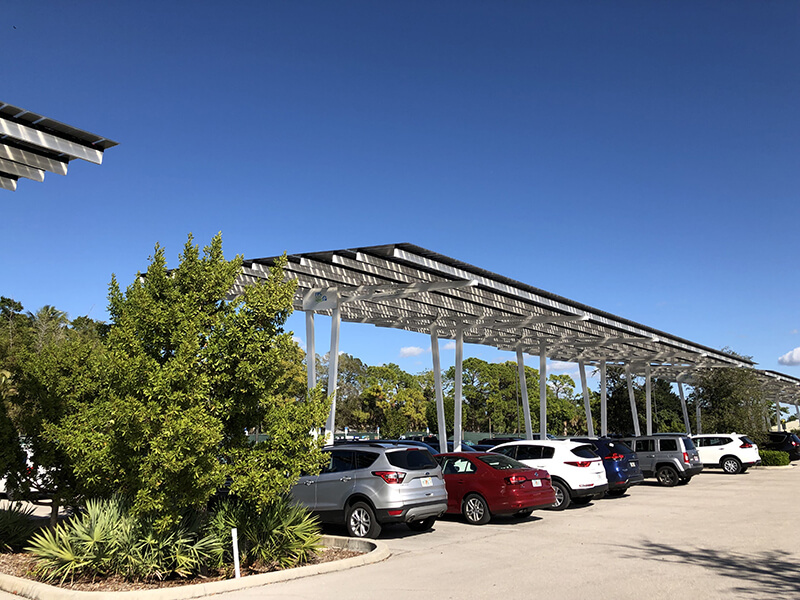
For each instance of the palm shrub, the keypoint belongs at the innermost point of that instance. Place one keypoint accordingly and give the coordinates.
(16, 527)
(283, 534)
(108, 539)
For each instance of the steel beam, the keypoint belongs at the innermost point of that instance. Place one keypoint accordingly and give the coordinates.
(631, 395)
(589, 423)
(49, 142)
(523, 388)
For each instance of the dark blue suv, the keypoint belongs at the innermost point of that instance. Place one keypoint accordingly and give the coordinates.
(621, 463)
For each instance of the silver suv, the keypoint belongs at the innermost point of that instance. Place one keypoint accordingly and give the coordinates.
(669, 457)
(365, 486)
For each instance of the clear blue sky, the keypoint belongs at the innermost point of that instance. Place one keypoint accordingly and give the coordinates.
(639, 157)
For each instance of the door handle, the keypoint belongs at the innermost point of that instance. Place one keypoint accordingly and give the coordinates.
(345, 478)
(309, 482)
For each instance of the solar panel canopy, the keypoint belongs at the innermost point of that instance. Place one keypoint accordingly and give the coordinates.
(408, 287)
(32, 144)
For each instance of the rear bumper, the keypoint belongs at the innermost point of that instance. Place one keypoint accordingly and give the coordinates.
(537, 498)
(597, 490)
(691, 471)
(626, 483)
(416, 512)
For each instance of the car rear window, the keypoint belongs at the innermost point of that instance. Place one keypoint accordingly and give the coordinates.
(620, 447)
(412, 459)
(688, 443)
(584, 452)
(501, 462)
(746, 440)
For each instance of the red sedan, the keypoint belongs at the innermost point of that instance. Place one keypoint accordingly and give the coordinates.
(483, 484)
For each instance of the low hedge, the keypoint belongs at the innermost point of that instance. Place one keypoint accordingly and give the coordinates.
(774, 458)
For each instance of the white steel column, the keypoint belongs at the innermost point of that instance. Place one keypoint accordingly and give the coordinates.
(698, 426)
(634, 413)
(603, 400)
(648, 398)
(542, 391)
(523, 386)
(685, 410)
(589, 423)
(333, 371)
(797, 410)
(778, 415)
(311, 355)
(457, 390)
(437, 382)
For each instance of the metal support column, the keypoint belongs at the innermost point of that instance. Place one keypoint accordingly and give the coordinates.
(634, 412)
(589, 423)
(437, 381)
(523, 386)
(542, 391)
(685, 410)
(311, 355)
(333, 371)
(603, 400)
(699, 425)
(778, 415)
(457, 390)
(648, 398)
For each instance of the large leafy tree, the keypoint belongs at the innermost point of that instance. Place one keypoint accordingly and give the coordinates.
(186, 372)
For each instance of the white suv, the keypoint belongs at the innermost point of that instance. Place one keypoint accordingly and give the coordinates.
(577, 472)
(733, 452)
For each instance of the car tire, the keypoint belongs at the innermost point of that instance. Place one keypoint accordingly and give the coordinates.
(744, 469)
(563, 499)
(361, 521)
(422, 524)
(667, 476)
(475, 510)
(684, 480)
(731, 465)
(524, 513)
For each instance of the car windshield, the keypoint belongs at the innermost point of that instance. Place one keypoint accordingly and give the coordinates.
(502, 462)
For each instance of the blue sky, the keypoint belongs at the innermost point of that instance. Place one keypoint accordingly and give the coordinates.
(638, 157)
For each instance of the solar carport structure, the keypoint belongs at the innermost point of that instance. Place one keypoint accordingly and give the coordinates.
(31, 144)
(408, 287)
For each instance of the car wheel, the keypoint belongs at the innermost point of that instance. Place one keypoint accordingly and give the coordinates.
(732, 465)
(744, 469)
(422, 524)
(361, 521)
(667, 476)
(475, 510)
(526, 512)
(562, 496)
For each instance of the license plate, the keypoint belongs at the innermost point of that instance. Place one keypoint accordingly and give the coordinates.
(426, 481)
(633, 464)
(536, 482)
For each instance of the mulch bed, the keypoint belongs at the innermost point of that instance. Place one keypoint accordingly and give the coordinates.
(22, 565)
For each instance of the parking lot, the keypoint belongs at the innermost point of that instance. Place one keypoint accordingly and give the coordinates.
(720, 536)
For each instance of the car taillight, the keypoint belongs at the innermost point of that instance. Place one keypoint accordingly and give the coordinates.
(794, 443)
(391, 476)
(516, 479)
(686, 457)
(578, 463)
(746, 445)
(616, 456)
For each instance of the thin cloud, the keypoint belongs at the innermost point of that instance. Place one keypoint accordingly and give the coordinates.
(407, 351)
(558, 365)
(299, 341)
(449, 346)
(791, 359)
(795, 331)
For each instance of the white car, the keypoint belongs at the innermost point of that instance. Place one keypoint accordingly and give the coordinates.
(733, 452)
(577, 472)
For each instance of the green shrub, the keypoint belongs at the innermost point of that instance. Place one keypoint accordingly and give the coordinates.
(283, 534)
(774, 458)
(106, 538)
(16, 527)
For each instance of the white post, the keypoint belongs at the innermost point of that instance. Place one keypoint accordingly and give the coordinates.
(685, 410)
(634, 412)
(542, 391)
(333, 372)
(648, 399)
(235, 538)
(457, 389)
(699, 425)
(778, 415)
(589, 423)
(523, 387)
(603, 400)
(311, 354)
(437, 382)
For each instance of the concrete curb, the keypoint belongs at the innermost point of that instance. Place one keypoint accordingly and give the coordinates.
(374, 550)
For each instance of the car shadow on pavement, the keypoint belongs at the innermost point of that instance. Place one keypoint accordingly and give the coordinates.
(766, 574)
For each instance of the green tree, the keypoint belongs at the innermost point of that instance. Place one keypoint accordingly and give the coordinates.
(185, 373)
